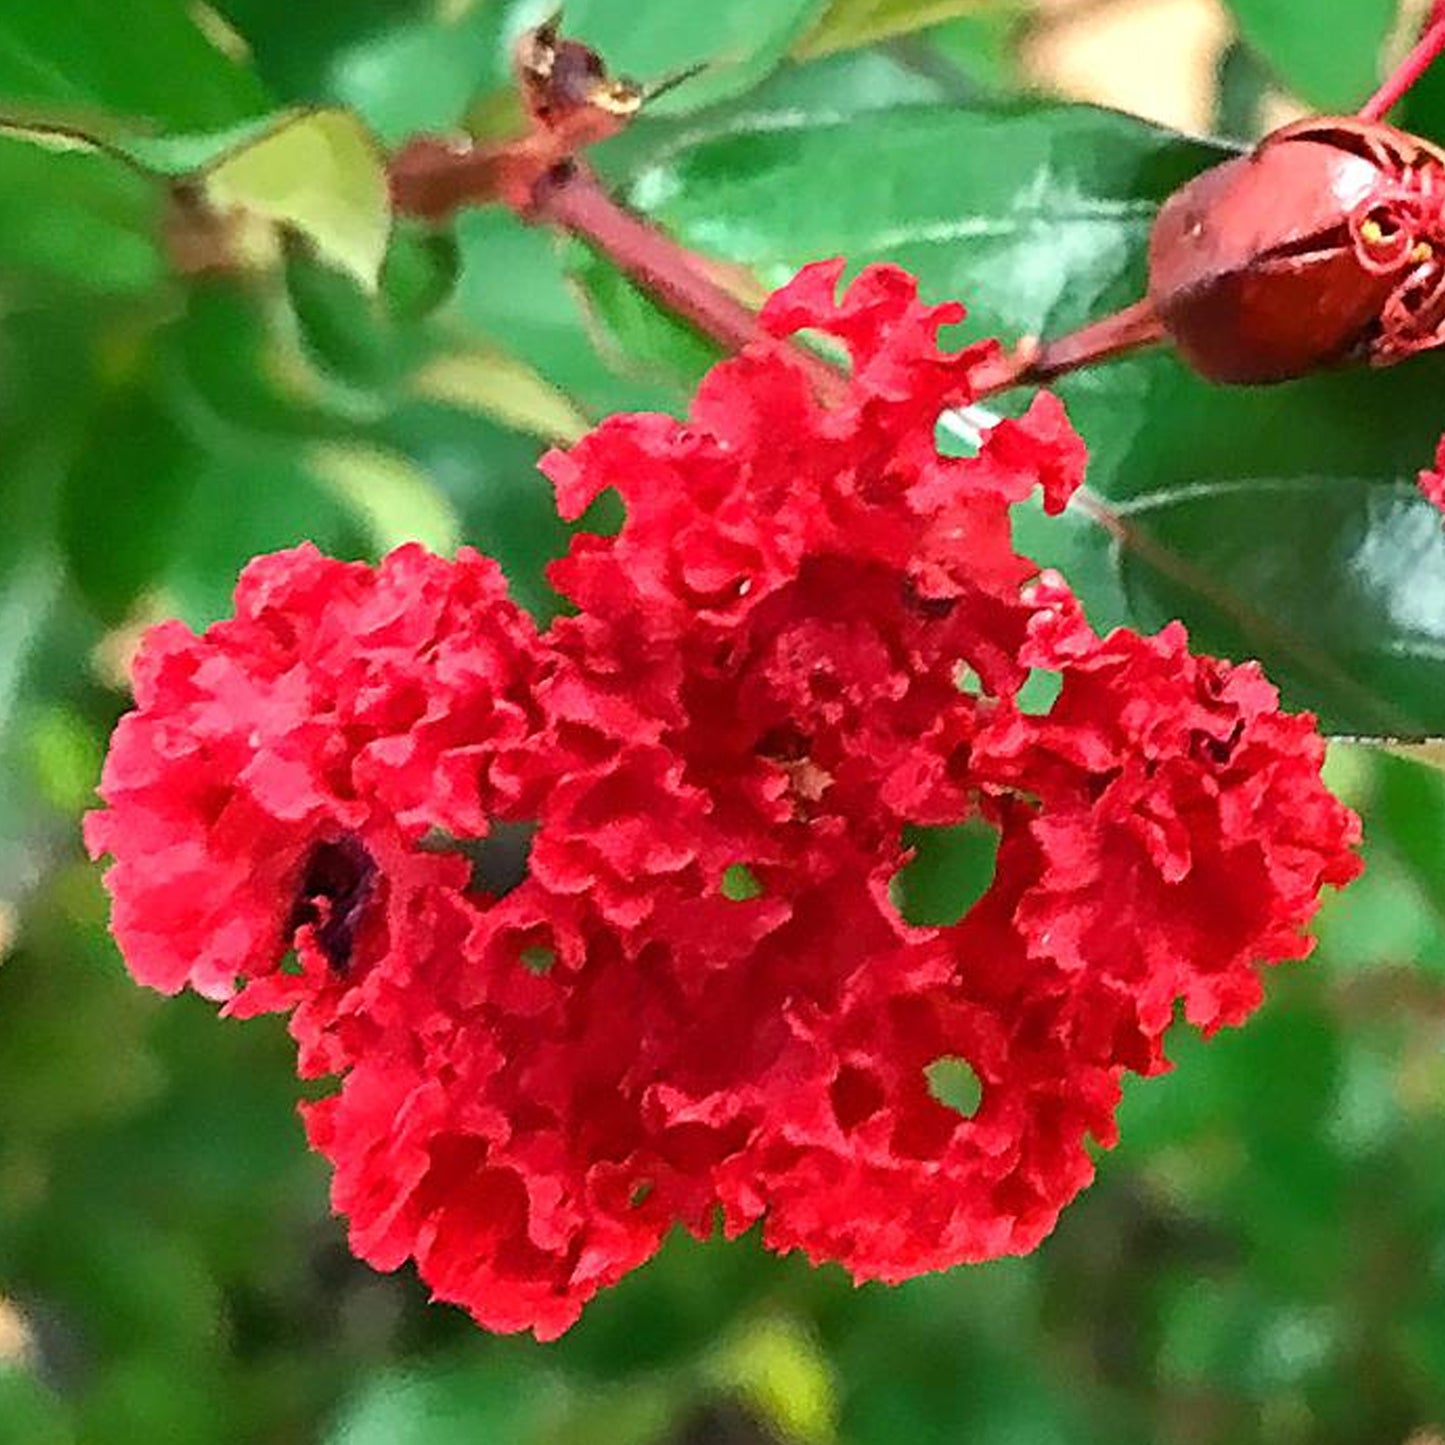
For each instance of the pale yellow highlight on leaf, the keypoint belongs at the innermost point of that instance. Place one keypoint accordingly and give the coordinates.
(850, 24)
(219, 31)
(393, 499)
(113, 657)
(1153, 58)
(498, 385)
(50, 138)
(1430, 752)
(321, 173)
(16, 1341)
(779, 1368)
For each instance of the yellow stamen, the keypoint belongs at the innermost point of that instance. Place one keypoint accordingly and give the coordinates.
(616, 97)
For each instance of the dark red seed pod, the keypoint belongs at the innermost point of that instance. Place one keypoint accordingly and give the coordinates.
(1324, 244)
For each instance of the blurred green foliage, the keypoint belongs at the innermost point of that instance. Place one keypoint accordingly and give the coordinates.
(1262, 1259)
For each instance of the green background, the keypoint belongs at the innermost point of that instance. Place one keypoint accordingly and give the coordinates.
(1262, 1258)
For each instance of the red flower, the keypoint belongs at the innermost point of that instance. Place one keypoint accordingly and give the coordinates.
(808, 636)
(274, 768)
(1432, 483)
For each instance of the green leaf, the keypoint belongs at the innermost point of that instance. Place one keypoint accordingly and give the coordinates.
(124, 494)
(544, 317)
(29, 1413)
(345, 331)
(1430, 753)
(954, 1083)
(494, 384)
(1242, 87)
(242, 375)
(489, 477)
(739, 41)
(848, 24)
(740, 884)
(320, 173)
(457, 1405)
(1335, 66)
(951, 869)
(405, 65)
(76, 225)
(246, 500)
(636, 333)
(392, 498)
(420, 274)
(1281, 523)
(146, 59)
(982, 47)
(1409, 804)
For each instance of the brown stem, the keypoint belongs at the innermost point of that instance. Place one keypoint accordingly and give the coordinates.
(1035, 362)
(432, 179)
(571, 199)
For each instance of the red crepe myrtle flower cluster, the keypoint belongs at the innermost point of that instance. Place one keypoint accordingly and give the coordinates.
(701, 1001)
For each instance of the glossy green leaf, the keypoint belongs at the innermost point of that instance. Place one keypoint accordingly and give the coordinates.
(951, 869)
(405, 65)
(319, 173)
(347, 333)
(244, 502)
(1409, 801)
(241, 372)
(739, 41)
(1333, 66)
(76, 224)
(982, 51)
(637, 334)
(146, 59)
(848, 24)
(124, 495)
(1280, 523)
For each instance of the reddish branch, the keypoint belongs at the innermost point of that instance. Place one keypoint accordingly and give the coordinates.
(572, 200)
(1410, 69)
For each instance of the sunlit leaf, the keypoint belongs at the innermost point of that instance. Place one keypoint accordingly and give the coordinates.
(320, 173)
(490, 381)
(776, 1365)
(146, 59)
(848, 24)
(392, 498)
